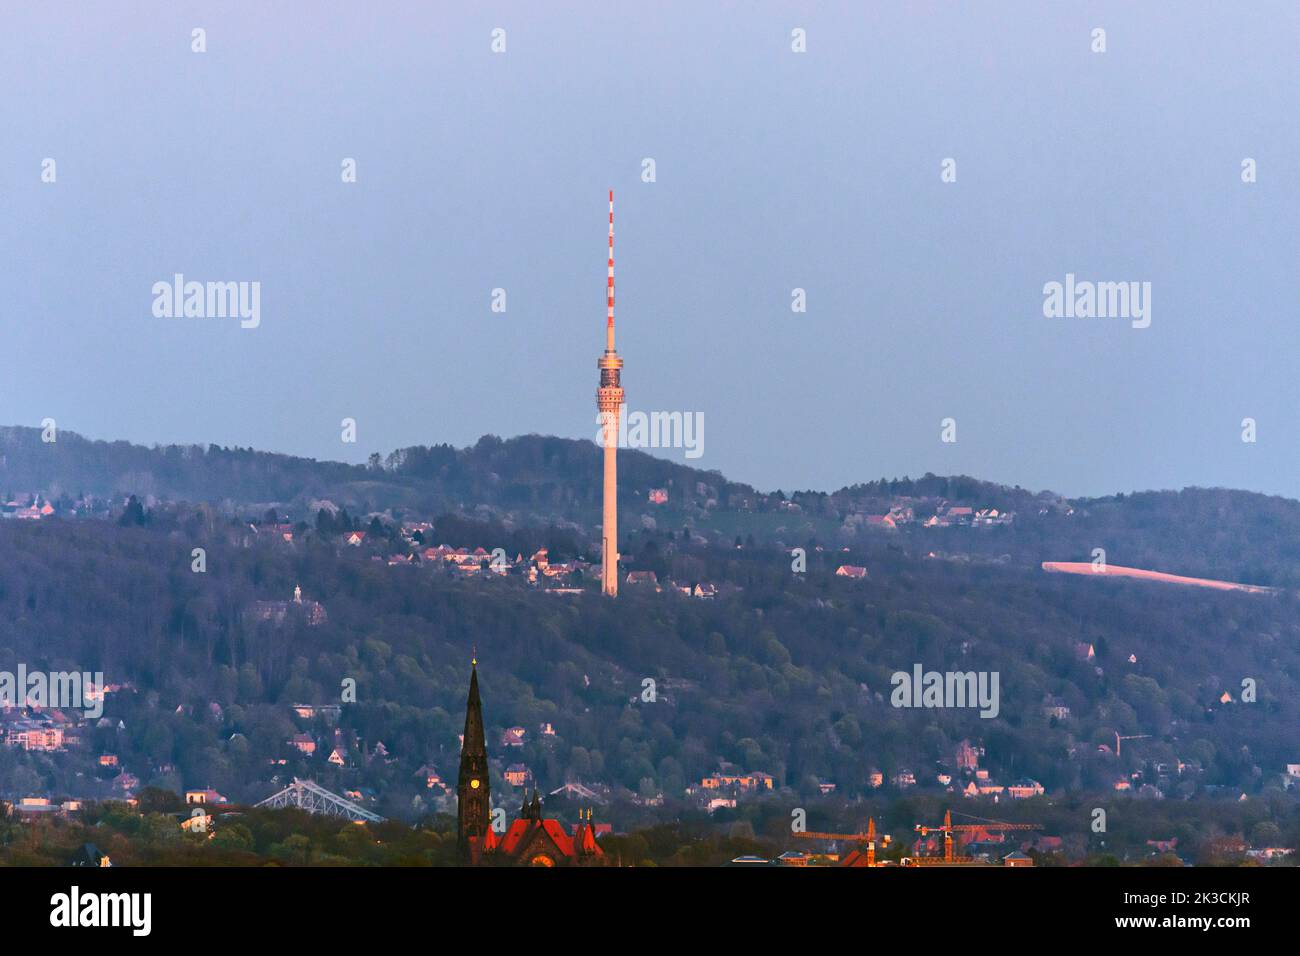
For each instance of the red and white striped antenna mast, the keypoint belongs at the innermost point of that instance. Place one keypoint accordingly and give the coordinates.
(609, 322)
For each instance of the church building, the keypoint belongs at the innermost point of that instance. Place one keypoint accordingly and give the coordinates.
(531, 840)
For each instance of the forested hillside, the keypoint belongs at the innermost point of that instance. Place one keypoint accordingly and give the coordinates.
(789, 675)
(786, 671)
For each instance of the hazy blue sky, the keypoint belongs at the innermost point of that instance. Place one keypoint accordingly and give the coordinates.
(775, 170)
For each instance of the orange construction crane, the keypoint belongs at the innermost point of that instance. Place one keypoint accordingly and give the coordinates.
(949, 828)
(868, 839)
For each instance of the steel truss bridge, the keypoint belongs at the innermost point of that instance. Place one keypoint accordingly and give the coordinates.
(306, 795)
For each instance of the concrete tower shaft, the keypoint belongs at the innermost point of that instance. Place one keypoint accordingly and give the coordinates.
(609, 400)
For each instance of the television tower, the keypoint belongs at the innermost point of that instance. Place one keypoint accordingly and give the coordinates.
(609, 399)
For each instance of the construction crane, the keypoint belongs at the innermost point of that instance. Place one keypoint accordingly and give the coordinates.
(1118, 738)
(868, 838)
(949, 828)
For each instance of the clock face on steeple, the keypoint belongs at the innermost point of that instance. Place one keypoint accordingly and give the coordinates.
(474, 784)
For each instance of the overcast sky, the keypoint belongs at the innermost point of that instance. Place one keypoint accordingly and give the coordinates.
(775, 170)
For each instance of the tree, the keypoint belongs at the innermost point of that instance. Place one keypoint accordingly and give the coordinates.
(158, 800)
(133, 515)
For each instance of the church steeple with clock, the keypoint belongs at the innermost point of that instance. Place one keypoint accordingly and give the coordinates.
(532, 840)
(473, 808)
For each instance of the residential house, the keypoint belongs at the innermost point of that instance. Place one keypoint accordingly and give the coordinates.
(988, 517)
(203, 796)
(901, 514)
(277, 612)
(40, 734)
(432, 779)
(1268, 854)
(744, 782)
(959, 515)
(1025, 788)
(1054, 707)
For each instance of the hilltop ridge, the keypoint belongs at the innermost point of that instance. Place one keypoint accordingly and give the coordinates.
(543, 480)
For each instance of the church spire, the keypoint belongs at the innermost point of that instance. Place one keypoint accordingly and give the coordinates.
(473, 805)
